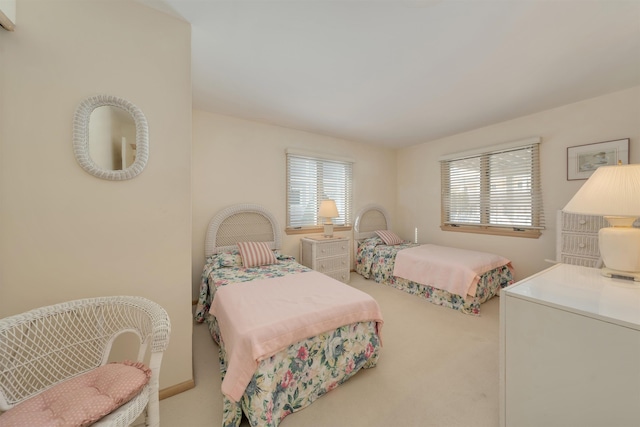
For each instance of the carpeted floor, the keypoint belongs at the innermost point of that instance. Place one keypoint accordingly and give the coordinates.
(438, 367)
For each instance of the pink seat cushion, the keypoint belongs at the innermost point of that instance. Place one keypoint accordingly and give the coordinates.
(82, 400)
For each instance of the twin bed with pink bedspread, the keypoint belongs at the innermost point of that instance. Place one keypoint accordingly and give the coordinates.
(455, 278)
(286, 334)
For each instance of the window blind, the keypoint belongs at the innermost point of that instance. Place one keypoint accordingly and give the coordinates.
(311, 180)
(498, 188)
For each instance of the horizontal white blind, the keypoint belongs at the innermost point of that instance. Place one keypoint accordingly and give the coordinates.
(495, 189)
(491, 149)
(311, 180)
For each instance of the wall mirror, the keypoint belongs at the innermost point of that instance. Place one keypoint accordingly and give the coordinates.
(110, 137)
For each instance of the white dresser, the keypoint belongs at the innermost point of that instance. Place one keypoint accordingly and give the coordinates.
(327, 255)
(570, 350)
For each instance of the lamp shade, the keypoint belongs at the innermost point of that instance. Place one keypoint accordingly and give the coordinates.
(328, 209)
(610, 191)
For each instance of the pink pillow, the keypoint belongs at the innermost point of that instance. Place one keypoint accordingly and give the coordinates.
(255, 254)
(82, 400)
(389, 237)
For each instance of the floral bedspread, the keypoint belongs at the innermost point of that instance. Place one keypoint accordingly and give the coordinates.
(215, 275)
(375, 260)
(373, 255)
(293, 378)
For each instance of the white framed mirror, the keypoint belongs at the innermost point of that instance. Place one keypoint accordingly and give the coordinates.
(110, 137)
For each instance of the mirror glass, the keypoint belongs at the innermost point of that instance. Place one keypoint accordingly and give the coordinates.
(110, 138)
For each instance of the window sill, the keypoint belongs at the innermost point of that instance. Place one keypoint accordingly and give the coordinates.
(315, 230)
(496, 231)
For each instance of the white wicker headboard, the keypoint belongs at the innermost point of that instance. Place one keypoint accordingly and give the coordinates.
(369, 219)
(241, 223)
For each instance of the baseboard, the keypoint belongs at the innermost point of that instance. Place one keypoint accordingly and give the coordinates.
(176, 389)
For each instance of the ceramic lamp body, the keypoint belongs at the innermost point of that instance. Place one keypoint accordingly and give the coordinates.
(328, 229)
(620, 248)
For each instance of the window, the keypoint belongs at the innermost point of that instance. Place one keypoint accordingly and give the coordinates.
(311, 180)
(496, 191)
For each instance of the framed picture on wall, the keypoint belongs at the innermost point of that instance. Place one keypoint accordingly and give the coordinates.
(583, 160)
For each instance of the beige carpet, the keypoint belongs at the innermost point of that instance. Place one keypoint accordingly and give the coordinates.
(438, 367)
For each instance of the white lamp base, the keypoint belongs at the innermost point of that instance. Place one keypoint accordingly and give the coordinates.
(328, 229)
(620, 249)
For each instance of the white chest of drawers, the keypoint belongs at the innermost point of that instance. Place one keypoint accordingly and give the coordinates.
(327, 255)
(570, 350)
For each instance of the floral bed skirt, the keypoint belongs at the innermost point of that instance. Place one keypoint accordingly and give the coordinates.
(489, 285)
(293, 378)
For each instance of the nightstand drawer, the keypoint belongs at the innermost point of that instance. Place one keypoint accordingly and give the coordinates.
(580, 244)
(342, 275)
(582, 261)
(330, 249)
(582, 223)
(326, 265)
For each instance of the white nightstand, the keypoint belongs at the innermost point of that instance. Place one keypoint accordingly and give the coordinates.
(327, 255)
(577, 239)
(569, 350)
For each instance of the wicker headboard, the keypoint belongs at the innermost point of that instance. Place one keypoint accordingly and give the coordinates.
(369, 219)
(241, 223)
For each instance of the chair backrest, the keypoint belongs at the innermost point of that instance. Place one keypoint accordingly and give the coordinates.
(44, 346)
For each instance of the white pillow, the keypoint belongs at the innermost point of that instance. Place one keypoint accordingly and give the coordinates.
(255, 254)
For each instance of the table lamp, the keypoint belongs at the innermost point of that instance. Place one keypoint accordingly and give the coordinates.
(327, 211)
(614, 192)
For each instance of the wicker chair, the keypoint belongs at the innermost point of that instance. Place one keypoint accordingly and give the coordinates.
(45, 346)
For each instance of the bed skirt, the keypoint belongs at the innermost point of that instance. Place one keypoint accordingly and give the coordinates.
(488, 286)
(295, 377)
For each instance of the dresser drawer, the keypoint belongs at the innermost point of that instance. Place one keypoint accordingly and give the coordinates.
(330, 249)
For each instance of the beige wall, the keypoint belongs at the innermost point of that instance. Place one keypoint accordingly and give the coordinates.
(64, 233)
(240, 161)
(605, 118)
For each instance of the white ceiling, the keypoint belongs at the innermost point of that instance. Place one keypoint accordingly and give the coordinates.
(396, 73)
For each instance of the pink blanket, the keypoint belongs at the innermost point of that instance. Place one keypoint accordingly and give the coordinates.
(454, 270)
(262, 317)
